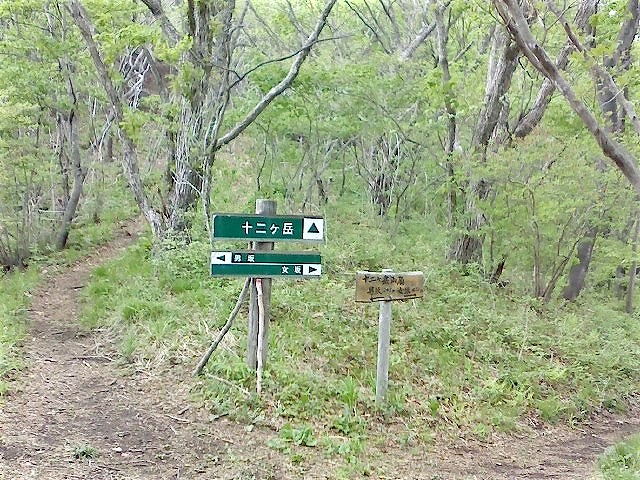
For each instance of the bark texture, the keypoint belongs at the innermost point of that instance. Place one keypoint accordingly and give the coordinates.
(532, 118)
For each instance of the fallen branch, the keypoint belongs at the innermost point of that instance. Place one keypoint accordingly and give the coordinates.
(178, 419)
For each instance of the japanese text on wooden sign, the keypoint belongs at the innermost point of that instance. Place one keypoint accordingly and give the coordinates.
(384, 287)
(268, 228)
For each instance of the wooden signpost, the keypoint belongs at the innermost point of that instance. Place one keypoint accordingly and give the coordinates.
(262, 264)
(386, 287)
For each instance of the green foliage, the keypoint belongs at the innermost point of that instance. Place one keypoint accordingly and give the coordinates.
(166, 53)
(302, 435)
(42, 63)
(550, 193)
(622, 461)
(291, 437)
(135, 121)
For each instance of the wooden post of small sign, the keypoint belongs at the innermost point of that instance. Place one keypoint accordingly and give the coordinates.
(386, 287)
(266, 208)
(384, 341)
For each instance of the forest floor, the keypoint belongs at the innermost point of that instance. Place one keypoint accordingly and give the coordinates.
(76, 413)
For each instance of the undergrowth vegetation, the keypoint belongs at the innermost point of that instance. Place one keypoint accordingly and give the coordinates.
(470, 357)
(622, 461)
(14, 300)
(418, 147)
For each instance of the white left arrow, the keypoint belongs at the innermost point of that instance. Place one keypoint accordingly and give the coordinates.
(220, 257)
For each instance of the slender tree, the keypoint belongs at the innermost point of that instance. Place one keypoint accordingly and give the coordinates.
(205, 90)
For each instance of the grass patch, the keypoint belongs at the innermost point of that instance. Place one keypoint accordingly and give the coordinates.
(622, 461)
(96, 222)
(84, 451)
(14, 302)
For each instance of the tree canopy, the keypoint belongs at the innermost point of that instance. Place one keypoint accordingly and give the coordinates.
(509, 124)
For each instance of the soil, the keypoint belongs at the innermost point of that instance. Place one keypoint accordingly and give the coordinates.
(75, 413)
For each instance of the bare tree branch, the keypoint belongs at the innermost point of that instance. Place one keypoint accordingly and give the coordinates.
(129, 162)
(373, 30)
(422, 35)
(80, 17)
(389, 13)
(376, 22)
(602, 73)
(272, 35)
(295, 22)
(155, 7)
(532, 118)
(240, 78)
(205, 358)
(515, 22)
(284, 84)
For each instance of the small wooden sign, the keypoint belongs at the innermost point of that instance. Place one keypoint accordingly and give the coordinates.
(385, 287)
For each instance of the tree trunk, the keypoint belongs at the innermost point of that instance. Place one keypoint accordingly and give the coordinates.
(69, 122)
(578, 271)
(468, 247)
(529, 120)
(450, 109)
(514, 20)
(209, 25)
(634, 267)
(63, 158)
(78, 182)
(107, 155)
(608, 94)
(129, 157)
(502, 64)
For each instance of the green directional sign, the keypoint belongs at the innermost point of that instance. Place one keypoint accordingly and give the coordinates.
(275, 228)
(265, 264)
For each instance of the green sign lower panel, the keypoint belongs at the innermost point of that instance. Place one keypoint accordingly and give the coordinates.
(304, 270)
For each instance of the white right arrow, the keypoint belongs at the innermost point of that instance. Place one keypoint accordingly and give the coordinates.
(312, 269)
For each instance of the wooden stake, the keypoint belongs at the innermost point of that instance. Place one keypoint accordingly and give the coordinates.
(384, 341)
(261, 337)
(225, 329)
(266, 208)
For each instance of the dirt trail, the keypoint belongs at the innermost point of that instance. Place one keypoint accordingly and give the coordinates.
(73, 399)
(548, 453)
